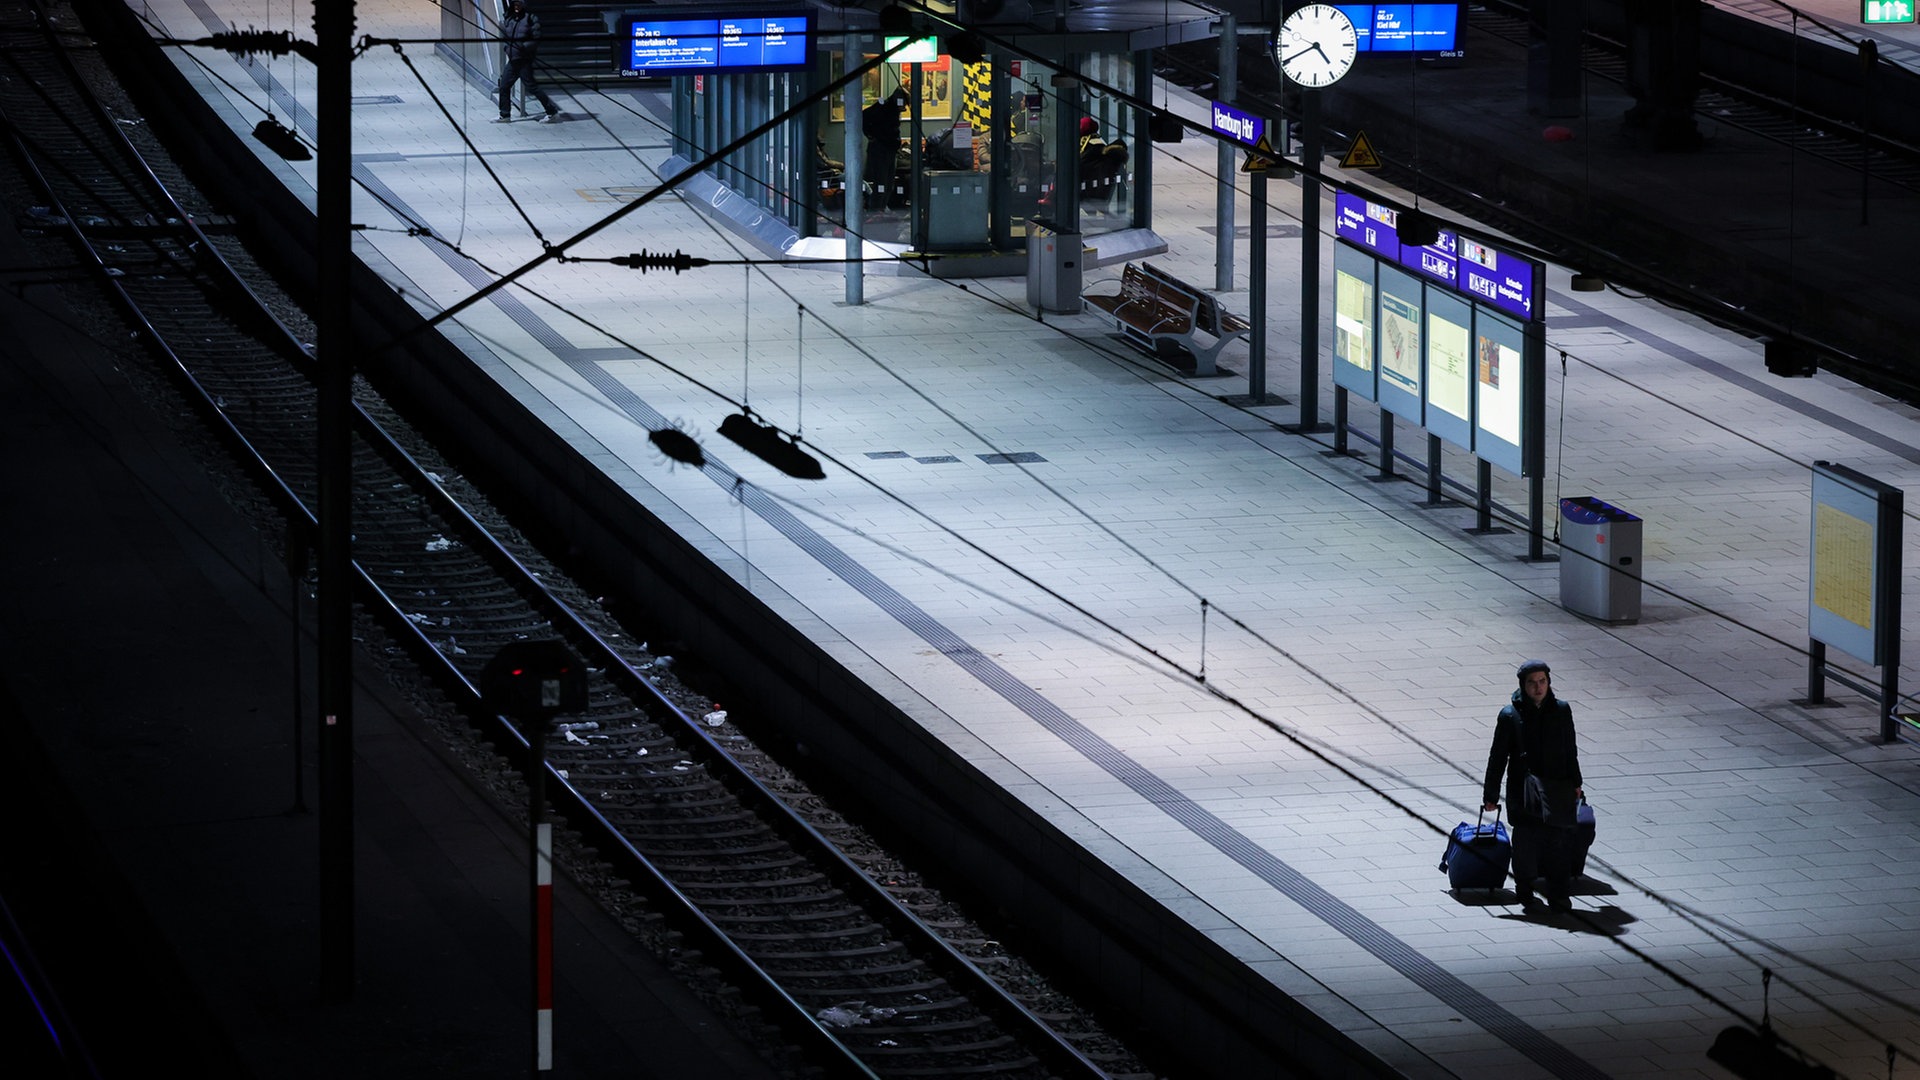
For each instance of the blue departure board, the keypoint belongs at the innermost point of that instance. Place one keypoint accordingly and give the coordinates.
(692, 44)
(1416, 28)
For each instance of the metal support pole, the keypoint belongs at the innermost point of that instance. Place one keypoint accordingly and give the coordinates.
(1310, 264)
(1816, 672)
(1433, 471)
(1483, 496)
(1339, 420)
(1888, 577)
(333, 36)
(1869, 60)
(916, 204)
(854, 181)
(1536, 518)
(1386, 446)
(298, 553)
(1257, 293)
(1533, 437)
(1066, 143)
(1890, 697)
(1223, 193)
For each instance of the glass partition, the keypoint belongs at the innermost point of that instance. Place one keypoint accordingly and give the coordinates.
(956, 156)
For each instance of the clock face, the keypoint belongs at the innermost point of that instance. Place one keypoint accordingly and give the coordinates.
(1316, 45)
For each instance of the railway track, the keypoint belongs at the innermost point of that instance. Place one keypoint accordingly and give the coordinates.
(870, 970)
(1841, 141)
(1720, 282)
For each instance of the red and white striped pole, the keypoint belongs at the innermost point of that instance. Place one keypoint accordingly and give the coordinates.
(541, 834)
(532, 681)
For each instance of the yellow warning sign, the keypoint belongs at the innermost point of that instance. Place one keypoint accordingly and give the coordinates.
(1360, 155)
(1260, 158)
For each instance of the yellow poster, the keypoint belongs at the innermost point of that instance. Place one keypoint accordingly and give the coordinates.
(1843, 565)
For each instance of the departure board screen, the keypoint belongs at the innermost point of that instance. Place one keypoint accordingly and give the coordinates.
(691, 44)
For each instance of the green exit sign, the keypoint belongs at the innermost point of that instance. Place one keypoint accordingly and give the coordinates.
(1886, 11)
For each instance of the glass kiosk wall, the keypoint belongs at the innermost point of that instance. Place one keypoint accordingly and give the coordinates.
(989, 139)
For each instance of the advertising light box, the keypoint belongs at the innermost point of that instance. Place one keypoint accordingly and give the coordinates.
(689, 42)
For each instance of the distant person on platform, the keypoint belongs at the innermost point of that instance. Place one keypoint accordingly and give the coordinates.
(1100, 161)
(520, 37)
(880, 123)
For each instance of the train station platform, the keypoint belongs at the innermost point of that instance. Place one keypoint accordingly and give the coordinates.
(1037, 541)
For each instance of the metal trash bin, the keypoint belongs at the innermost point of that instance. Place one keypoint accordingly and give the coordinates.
(955, 205)
(1600, 566)
(1053, 268)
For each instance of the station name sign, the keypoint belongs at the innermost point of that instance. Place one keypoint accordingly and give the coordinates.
(1500, 279)
(1241, 127)
(692, 41)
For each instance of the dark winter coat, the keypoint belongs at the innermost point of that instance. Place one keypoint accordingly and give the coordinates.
(1551, 754)
(521, 34)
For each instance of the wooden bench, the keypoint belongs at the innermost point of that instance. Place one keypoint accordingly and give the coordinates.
(1167, 318)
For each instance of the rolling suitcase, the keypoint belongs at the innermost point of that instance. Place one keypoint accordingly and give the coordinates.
(1478, 854)
(1582, 839)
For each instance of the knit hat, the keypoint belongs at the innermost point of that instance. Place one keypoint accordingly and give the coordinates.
(1530, 667)
(1088, 125)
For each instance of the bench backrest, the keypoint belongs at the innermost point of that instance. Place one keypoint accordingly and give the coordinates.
(1206, 311)
(1207, 315)
(1156, 290)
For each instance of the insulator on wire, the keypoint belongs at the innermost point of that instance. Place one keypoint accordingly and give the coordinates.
(644, 261)
(248, 42)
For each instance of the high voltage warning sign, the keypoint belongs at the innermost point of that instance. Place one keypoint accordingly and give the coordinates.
(1360, 155)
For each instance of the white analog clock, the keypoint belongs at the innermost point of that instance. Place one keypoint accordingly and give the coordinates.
(1316, 45)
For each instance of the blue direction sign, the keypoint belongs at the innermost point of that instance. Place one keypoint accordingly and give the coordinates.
(1241, 127)
(1501, 279)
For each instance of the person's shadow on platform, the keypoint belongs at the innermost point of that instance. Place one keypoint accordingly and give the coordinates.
(1606, 921)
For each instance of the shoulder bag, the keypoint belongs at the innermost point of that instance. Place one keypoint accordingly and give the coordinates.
(1533, 793)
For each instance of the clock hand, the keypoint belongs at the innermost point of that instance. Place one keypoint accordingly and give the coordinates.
(1315, 47)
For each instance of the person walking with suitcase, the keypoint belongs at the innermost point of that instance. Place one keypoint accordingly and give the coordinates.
(520, 40)
(1534, 746)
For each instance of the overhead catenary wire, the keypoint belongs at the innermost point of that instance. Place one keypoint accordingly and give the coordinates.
(1657, 587)
(1204, 600)
(1194, 676)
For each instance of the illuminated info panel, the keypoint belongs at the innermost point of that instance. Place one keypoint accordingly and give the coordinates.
(1429, 355)
(1855, 555)
(1402, 366)
(685, 43)
(1437, 334)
